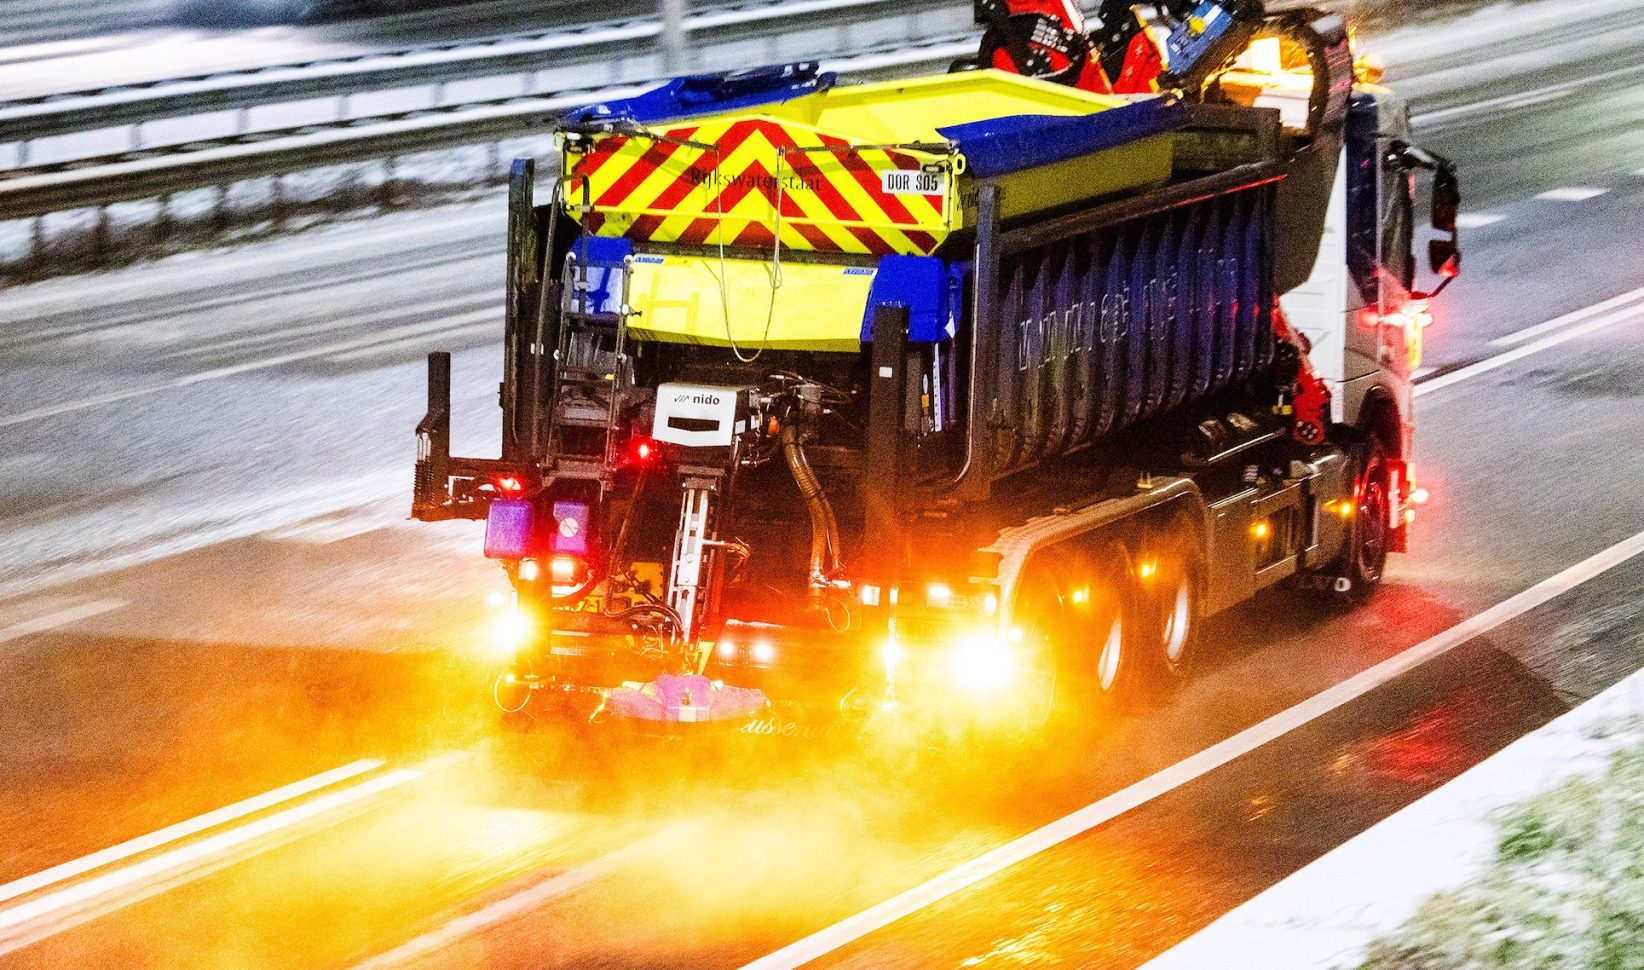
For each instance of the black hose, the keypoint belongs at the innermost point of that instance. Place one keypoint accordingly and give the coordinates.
(824, 530)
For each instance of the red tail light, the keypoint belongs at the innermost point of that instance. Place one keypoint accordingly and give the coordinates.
(509, 486)
(641, 451)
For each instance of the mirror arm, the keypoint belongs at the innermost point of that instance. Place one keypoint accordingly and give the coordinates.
(1445, 281)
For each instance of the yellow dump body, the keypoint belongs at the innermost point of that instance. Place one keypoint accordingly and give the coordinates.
(867, 169)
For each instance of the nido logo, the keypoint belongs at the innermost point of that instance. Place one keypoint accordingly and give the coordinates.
(711, 400)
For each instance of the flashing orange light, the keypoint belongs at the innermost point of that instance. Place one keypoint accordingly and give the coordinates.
(513, 628)
(982, 663)
(1080, 596)
(1419, 496)
(1409, 516)
(1261, 530)
(938, 594)
(891, 653)
(1147, 569)
(529, 570)
(868, 594)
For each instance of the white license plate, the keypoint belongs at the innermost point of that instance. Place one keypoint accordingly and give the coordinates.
(911, 181)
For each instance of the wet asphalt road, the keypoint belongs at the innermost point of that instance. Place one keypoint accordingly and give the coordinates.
(244, 608)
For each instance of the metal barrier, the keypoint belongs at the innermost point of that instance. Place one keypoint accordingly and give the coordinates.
(607, 53)
(81, 198)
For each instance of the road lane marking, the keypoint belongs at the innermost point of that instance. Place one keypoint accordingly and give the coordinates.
(991, 863)
(1525, 350)
(1573, 193)
(399, 346)
(1478, 220)
(511, 907)
(1574, 316)
(52, 621)
(43, 916)
(263, 339)
(182, 830)
(324, 530)
(186, 380)
(1526, 99)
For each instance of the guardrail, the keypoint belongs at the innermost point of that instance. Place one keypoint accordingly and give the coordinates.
(141, 178)
(607, 53)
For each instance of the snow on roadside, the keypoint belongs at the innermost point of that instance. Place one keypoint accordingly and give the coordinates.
(1329, 913)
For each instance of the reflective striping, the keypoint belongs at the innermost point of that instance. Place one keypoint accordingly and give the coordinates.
(763, 179)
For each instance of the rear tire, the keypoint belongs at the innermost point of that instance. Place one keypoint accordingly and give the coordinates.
(1171, 581)
(1103, 658)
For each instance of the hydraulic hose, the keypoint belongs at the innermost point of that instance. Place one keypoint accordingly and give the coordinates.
(824, 529)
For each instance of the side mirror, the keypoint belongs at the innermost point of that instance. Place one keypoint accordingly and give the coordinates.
(1445, 258)
(1446, 198)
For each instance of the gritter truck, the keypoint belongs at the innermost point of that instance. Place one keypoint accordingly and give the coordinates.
(963, 398)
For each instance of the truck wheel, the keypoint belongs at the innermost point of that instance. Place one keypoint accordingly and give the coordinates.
(1171, 580)
(1104, 614)
(1041, 617)
(1367, 547)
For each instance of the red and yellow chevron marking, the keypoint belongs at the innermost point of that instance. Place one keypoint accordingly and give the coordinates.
(652, 190)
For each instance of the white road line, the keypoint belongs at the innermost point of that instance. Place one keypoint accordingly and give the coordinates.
(230, 371)
(264, 338)
(1103, 810)
(1526, 99)
(1478, 220)
(43, 916)
(390, 347)
(324, 530)
(52, 621)
(182, 830)
(1573, 193)
(1573, 317)
(517, 905)
(1534, 347)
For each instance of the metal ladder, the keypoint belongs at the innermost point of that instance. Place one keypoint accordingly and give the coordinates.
(590, 360)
